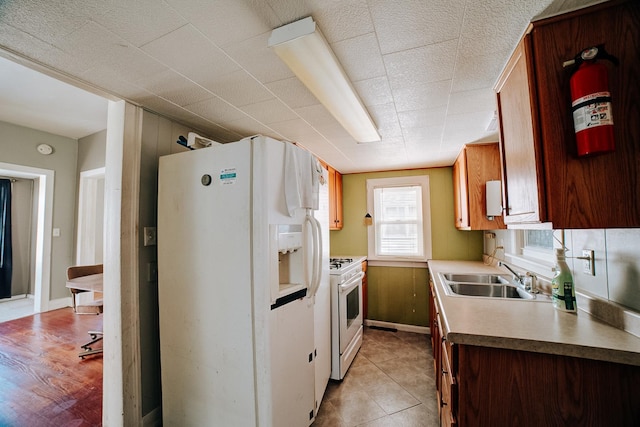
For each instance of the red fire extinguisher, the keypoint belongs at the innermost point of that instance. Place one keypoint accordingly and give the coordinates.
(591, 102)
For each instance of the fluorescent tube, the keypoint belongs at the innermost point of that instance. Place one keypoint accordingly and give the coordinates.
(304, 49)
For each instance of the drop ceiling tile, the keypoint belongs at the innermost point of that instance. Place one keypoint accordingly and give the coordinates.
(467, 128)
(222, 134)
(270, 111)
(426, 136)
(422, 118)
(360, 57)
(295, 130)
(129, 63)
(227, 21)
(190, 53)
(247, 126)
(421, 65)
(140, 21)
(472, 100)
(431, 159)
(292, 92)
(342, 20)
(104, 44)
(477, 72)
(216, 110)
(35, 49)
(287, 10)
(374, 91)
(174, 87)
(49, 21)
(401, 25)
(239, 88)
(112, 81)
(496, 25)
(318, 117)
(258, 59)
(422, 96)
(155, 103)
(386, 118)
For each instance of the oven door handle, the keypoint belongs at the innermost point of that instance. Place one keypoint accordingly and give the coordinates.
(351, 283)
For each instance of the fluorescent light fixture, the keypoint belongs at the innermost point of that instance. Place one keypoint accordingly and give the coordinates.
(304, 49)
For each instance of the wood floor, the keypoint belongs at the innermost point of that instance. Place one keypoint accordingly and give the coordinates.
(43, 382)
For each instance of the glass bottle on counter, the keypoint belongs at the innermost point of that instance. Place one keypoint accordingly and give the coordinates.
(563, 288)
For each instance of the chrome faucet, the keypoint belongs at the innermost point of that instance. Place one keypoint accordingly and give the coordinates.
(527, 281)
(517, 277)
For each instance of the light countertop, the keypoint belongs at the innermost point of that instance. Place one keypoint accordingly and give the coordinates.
(526, 325)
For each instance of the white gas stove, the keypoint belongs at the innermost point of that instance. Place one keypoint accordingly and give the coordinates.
(346, 312)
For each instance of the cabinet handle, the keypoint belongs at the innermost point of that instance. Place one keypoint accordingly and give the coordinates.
(444, 372)
(444, 339)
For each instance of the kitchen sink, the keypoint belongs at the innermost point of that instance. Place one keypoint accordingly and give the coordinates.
(475, 278)
(490, 291)
(484, 285)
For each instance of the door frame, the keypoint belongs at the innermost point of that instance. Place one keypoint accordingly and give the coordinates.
(44, 178)
(87, 213)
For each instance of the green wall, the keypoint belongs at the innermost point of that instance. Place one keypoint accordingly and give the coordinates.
(400, 294)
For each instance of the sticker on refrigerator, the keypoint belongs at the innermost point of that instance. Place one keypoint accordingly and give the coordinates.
(228, 176)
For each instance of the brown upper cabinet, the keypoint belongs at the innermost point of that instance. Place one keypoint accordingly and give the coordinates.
(476, 164)
(335, 199)
(544, 180)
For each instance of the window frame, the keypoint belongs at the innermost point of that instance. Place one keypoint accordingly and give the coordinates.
(546, 255)
(405, 181)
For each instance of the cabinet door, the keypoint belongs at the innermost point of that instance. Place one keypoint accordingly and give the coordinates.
(518, 136)
(600, 191)
(335, 199)
(460, 191)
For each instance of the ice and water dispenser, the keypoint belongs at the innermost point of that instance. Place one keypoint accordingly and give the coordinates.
(287, 240)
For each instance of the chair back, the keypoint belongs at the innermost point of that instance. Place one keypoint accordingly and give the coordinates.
(83, 270)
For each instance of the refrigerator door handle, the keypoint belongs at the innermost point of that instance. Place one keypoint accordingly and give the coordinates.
(316, 257)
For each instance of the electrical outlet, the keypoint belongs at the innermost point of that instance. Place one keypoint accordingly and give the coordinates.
(149, 236)
(588, 262)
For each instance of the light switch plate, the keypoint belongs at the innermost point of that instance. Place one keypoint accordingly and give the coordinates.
(150, 236)
(588, 262)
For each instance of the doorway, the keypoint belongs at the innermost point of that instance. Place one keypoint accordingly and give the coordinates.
(42, 227)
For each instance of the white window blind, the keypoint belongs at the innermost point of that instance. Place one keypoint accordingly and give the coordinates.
(401, 220)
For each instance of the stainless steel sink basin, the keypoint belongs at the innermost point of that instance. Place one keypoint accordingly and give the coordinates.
(484, 285)
(488, 290)
(475, 278)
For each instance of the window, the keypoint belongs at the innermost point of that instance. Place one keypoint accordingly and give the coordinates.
(401, 229)
(537, 244)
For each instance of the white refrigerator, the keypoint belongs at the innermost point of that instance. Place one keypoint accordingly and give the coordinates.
(243, 285)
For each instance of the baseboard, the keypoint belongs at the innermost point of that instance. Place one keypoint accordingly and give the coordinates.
(398, 326)
(56, 304)
(153, 418)
(17, 297)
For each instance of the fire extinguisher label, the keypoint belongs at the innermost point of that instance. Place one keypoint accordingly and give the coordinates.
(592, 110)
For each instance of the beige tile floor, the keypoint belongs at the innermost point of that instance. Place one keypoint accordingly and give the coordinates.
(390, 383)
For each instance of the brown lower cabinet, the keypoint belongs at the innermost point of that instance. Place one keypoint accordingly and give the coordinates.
(487, 386)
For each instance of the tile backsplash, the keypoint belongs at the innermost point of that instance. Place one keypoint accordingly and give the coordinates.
(616, 276)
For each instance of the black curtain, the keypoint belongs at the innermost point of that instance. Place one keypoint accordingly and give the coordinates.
(5, 238)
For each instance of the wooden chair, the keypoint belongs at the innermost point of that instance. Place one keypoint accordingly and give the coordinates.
(91, 307)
